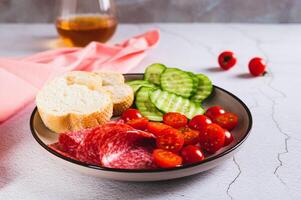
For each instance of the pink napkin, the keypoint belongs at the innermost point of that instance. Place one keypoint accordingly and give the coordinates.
(21, 78)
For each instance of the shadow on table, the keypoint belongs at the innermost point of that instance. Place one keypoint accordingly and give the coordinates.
(213, 69)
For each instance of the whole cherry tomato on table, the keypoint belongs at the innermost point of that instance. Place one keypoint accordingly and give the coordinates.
(213, 111)
(192, 154)
(166, 159)
(227, 120)
(257, 66)
(190, 136)
(174, 119)
(170, 139)
(226, 60)
(130, 114)
(139, 123)
(228, 138)
(212, 138)
(156, 128)
(199, 122)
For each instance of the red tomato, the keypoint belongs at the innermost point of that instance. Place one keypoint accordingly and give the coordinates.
(228, 138)
(227, 120)
(226, 60)
(139, 123)
(170, 139)
(257, 66)
(212, 138)
(192, 154)
(156, 127)
(190, 136)
(213, 111)
(199, 122)
(130, 114)
(166, 159)
(174, 119)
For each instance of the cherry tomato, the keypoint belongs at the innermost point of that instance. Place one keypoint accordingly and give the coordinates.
(227, 120)
(257, 66)
(226, 60)
(212, 138)
(228, 138)
(190, 136)
(174, 119)
(130, 114)
(199, 122)
(213, 111)
(166, 159)
(156, 127)
(139, 123)
(192, 154)
(170, 139)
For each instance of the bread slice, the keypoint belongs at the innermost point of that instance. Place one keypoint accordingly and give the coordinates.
(73, 102)
(111, 78)
(122, 96)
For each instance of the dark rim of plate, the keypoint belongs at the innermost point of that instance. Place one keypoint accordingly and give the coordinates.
(147, 170)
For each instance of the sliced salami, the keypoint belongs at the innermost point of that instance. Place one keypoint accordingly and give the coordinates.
(57, 147)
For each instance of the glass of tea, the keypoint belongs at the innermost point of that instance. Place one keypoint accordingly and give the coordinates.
(83, 21)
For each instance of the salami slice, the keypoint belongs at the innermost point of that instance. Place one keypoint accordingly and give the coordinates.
(70, 141)
(57, 147)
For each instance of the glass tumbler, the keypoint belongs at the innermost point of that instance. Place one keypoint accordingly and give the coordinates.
(81, 21)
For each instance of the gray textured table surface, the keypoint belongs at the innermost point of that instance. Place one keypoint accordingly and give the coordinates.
(267, 167)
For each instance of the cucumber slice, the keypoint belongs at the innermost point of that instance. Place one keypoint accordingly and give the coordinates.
(178, 82)
(195, 82)
(153, 73)
(204, 88)
(169, 102)
(137, 84)
(145, 106)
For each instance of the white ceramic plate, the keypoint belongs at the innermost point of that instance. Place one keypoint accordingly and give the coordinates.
(219, 97)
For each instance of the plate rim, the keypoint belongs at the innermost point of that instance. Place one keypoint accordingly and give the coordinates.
(90, 166)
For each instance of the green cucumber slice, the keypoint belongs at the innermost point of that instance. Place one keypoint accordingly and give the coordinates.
(169, 102)
(195, 82)
(204, 88)
(153, 73)
(145, 106)
(137, 84)
(178, 82)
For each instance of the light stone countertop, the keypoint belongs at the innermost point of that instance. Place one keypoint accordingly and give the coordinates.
(267, 167)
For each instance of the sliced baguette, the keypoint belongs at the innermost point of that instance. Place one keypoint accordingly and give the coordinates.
(73, 102)
(110, 78)
(122, 96)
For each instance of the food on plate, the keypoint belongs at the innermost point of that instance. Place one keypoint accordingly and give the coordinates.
(192, 154)
(170, 90)
(122, 96)
(175, 120)
(78, 100)
(159, 121)
(74, 101)
(166, 159)
(257, 66)
(227, 60)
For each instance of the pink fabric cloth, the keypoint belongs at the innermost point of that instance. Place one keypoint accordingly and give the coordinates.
(21, 78)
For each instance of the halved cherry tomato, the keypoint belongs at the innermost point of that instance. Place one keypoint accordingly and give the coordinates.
(170, 139)
(174, 119)
(139, 123)
(156, 127)
(130, 114)
(199, 122)
(227, 120)
(257, 66)
(166, 159)
(190, 136)
(228, 138)
(213, 111)
(192, 154)
(212, 138)
(226, 60)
